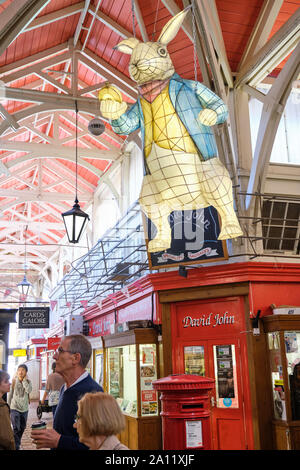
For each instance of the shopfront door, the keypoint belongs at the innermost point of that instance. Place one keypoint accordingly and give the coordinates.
(210, 341)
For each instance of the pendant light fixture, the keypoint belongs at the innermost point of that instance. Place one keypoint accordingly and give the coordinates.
(75, 219)
(24, 286)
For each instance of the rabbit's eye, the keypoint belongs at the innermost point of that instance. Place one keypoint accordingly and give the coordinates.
(162, 51)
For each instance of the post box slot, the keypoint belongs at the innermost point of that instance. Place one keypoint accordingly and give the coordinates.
(194, 406)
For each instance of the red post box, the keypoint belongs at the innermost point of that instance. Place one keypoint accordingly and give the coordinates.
(186, 414)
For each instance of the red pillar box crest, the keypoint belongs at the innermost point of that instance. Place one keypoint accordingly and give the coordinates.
(186, 414)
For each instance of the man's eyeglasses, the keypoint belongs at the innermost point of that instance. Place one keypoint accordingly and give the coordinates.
(61, 350)
(77, 417)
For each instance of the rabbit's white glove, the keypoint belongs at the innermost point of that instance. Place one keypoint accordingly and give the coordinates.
(112, 109)
(208, 117)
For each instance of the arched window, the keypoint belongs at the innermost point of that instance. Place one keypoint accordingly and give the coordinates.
(285, 149)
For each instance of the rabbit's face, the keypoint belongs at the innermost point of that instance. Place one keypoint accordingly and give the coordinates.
(150, 61)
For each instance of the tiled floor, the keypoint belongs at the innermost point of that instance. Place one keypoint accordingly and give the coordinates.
(26, 443)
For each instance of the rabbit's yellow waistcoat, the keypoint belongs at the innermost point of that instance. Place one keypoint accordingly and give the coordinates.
(163, 126)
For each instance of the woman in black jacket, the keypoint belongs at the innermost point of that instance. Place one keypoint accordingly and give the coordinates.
(7, 441)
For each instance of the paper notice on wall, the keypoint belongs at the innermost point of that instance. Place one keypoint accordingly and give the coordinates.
(148, 356)
(149, 395)
(193, 432)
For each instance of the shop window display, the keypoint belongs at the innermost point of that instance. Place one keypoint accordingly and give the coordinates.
(122, 380)
(131, 366)
(291, 341)
(292, 350)
(283, 346)
(277, 376)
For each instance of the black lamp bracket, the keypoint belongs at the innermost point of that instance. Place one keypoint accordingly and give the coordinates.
(182, 271)
(255, 325)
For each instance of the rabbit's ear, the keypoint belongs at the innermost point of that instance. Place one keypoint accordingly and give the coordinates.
(127, 45)
(170, 30)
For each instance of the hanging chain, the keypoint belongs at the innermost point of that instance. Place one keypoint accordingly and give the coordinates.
(133, 22)
(25, 260)
(194, 39)
(76, 149)
(155, 21)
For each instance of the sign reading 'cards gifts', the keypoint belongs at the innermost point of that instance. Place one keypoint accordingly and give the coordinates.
(33, 317)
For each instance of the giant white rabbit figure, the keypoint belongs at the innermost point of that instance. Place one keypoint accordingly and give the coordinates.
(175, 117)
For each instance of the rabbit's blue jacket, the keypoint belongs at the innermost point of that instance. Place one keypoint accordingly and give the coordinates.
(188, 98)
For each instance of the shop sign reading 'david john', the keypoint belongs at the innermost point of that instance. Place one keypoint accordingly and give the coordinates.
(33, 317)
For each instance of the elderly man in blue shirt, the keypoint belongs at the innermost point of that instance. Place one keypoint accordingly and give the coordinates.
(71, 358)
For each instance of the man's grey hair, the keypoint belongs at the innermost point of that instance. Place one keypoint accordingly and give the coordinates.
(80, 344)
(3, 376)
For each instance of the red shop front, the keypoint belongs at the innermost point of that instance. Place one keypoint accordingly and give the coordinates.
(209, 338)
(208, 328)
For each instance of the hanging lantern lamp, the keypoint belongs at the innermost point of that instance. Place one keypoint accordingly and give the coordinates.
(75, 219)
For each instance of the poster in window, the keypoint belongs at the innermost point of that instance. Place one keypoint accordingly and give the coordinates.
(194, 360)
(226, 380)
(147, 371)
(149, 397)
(290, 339)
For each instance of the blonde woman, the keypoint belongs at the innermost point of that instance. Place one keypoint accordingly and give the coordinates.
(98, 420)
